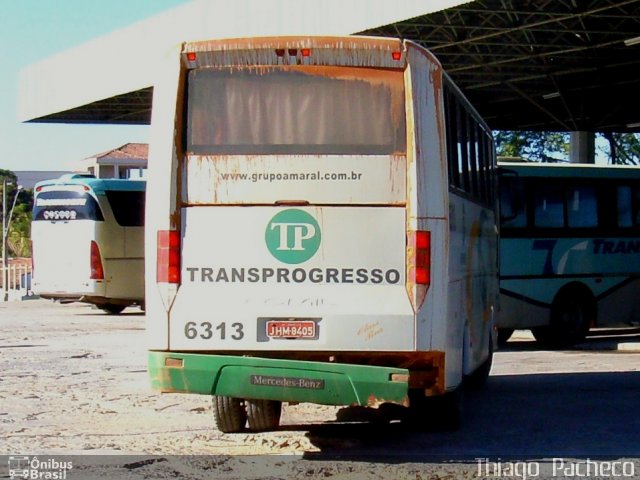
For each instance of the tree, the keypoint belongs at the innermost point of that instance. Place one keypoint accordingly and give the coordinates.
(20, 229)
(624, 148)
(12, 181)
(533, 146)
(617, 148)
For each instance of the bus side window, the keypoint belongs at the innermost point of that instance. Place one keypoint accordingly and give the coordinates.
(625, 207)
(472, 157)
(452, 139)
(127, 207)
(548, 207)
(512, 203)
(463, 150)
(582, 208)
(483, 165)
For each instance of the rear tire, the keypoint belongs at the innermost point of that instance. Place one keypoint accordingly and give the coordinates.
(229, 414)
(112, 309)
(263, 414)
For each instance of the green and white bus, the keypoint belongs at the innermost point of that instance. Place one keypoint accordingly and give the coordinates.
(324, 220)
(569, 249)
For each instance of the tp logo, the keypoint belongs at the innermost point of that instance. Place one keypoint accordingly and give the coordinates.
(293, 236)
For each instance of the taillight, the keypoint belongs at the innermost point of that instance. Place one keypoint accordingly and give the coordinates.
(97, 272)
(422, 257)
(168, 258)
(418, 266)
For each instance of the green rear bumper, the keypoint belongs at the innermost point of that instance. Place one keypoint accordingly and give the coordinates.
(277, 379)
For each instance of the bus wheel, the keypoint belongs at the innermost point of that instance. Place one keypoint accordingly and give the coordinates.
(569, 320)
(263, 414)
(229, 413)
(112, 309)
(504, 334)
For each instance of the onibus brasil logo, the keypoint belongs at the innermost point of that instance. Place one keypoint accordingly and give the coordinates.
(24, 467)
(293, 236)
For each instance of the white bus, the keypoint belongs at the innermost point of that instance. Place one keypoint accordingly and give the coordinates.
(323, 225)
(88, 241)
(569, 245)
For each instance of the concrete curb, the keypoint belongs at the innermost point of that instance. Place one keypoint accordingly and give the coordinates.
(629, 347)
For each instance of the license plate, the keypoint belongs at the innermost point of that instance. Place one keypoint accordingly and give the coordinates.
(291, 329)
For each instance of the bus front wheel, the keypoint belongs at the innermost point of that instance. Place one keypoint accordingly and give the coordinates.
(229, 413)
(569, 320)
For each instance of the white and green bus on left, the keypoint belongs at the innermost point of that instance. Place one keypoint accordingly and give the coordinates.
(569, 249)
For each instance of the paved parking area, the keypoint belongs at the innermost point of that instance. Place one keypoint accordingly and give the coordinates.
(74, 382)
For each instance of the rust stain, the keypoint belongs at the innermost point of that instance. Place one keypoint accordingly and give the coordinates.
(178, 154)
(431, 58)
(163, 381)
(287, 42)
(439, 364)
(397, 170)
(436, 80)
(261, 51)
(376, 402)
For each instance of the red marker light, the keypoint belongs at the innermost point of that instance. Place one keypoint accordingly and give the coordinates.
(396, 55)
(293, 52)
(192, 56)
(306, 52)
(280, 52)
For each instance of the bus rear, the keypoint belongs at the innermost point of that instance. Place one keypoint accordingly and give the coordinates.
(286, 268)
(88, 241)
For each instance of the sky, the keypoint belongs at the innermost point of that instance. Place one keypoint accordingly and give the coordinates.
(32, 30)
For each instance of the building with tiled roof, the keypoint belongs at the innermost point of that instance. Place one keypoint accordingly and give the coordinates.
(127, 161)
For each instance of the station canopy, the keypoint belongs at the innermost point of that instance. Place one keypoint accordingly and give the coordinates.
(547, 65)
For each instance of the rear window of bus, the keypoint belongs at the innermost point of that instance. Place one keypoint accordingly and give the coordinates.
(66, 205)
(296, 110)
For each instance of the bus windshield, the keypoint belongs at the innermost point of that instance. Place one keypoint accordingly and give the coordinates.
(296, 110)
